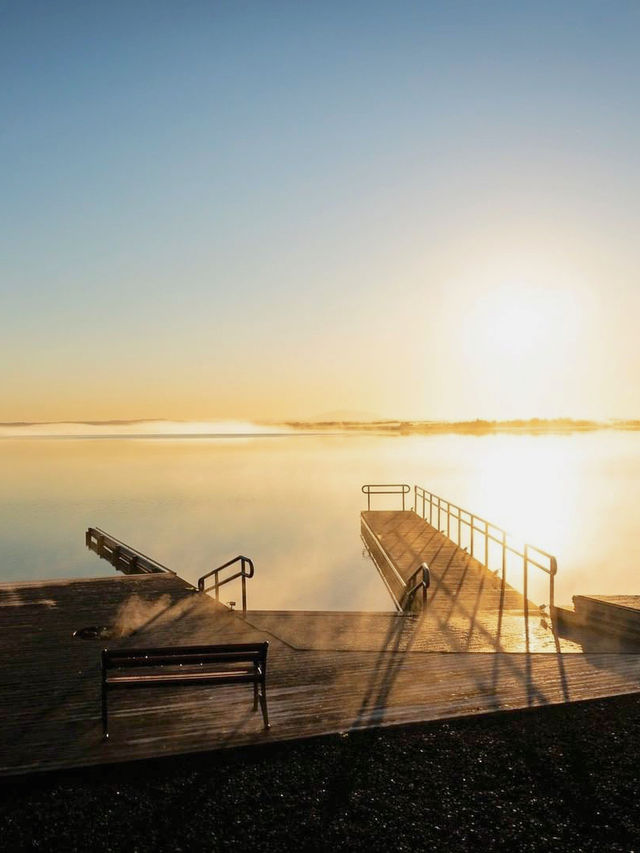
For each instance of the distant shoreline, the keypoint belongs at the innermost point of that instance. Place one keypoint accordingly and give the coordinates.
(172, 429)
(476, 427)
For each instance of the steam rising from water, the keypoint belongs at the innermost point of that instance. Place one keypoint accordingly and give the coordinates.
(137, 613)
(132, 429)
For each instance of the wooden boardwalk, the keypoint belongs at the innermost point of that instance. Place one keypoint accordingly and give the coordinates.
(49, 679)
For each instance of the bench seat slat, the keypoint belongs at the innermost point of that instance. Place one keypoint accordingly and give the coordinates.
(172, 650)
(165, 660)
(193, 677)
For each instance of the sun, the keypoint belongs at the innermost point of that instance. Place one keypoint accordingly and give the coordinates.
(517, 342)
(520, 320)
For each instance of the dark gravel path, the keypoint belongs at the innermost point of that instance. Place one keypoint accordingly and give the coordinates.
(563, 778)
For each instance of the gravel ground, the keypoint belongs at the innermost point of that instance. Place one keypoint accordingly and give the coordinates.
(560, 778)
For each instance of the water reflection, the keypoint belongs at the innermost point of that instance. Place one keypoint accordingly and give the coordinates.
(292, 503)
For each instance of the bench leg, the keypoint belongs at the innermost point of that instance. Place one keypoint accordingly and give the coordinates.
(263, 705)
(255, 695)
(105, 720)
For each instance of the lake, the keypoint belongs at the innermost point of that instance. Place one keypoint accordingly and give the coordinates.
(292, 504)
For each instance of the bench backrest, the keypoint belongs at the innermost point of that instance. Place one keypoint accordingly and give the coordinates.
(174, 655)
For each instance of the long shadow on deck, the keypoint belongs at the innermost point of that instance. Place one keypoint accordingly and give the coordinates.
(455, 613)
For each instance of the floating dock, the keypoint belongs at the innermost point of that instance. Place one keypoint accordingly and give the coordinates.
(479, 646)
(610, 615)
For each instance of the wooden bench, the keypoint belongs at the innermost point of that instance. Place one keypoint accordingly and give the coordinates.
(182, 666)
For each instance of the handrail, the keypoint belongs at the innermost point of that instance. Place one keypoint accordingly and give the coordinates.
(542, 560)
(122, 557)
(392, 489)
(217, 583)
(424, 583)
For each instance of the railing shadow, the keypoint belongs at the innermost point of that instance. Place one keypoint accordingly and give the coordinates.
(388, 666)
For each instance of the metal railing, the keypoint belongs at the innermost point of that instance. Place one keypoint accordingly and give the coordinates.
(122, 557)
(481, 533)
(421, 580)
(385, 489)
(217, 583)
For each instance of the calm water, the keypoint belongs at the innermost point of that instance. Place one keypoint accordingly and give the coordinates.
(292, 503)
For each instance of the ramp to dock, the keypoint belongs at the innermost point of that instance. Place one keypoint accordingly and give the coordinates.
(469, 607)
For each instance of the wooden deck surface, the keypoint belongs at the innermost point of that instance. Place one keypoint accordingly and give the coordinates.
(49, 679)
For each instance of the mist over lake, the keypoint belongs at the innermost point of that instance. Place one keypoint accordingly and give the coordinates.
(292, 503)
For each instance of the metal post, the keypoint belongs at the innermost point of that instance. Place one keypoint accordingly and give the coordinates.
(448, 520)
(473, 522)
(504, 553)
(525, 567)
(244, 592)
(552, 582)
(426, 583)
(486, 544)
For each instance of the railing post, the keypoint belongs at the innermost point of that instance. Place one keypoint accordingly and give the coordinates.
(552, 584)
(448, 520)
(402, 490)
(216, 587)
(426, 583)
(486, 544)
(473, 523)
(525, 567)
(244, 592)
(504, 553)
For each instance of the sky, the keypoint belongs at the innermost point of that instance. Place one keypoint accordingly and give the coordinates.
(272, 210)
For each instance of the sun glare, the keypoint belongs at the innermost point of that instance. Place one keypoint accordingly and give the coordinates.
(519, 319)
(514, 337)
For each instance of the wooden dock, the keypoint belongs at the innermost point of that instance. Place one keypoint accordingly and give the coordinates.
(469, 607)
(479, 647)
(615, 616)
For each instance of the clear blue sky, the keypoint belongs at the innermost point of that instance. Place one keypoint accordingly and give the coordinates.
(276, 209)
